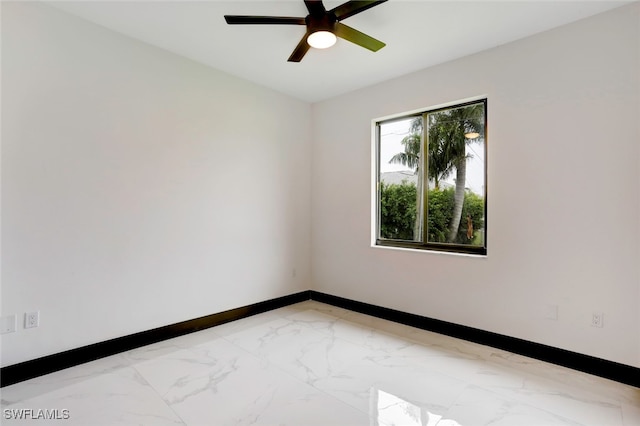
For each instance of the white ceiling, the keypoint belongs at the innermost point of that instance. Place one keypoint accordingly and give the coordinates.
(418, 34)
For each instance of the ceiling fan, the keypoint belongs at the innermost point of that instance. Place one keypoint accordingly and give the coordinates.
(323, 26)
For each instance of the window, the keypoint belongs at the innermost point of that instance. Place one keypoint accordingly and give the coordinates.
(431, 179)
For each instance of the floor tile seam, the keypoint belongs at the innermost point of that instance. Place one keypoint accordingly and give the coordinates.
(390, 334)
(201, 345)
(442, 350)
(486, 352)
(210, 330)
(563, 391)
(350, 366)
(329, 331)
(315, 330)
(70, 382)
(207, 371)
(337, 339)
(253, 326)
(159, 395)
(136, 361)
(136, 376)
(445, 374)
(459, 396)
(483, 353)
(289, 310)
(536, 364)
(329, 311)
(255, 355)
(420, 342)
(506, 369)
(162, 358)
(334, 397)
(512, 399)
(560, 384)
(480, 350)
(280, 370)
(337, 318)
(462, 381)
(511, 394)
(394, 352)
(309, 329)
(627, 423)
(506, 363)
(8, 403)
(324, 331)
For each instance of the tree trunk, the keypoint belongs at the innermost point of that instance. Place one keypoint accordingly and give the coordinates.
(461, 177)
(417, 227)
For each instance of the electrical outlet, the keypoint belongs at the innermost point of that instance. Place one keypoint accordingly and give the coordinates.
(8, 324)
(31, 319)
(597, 320)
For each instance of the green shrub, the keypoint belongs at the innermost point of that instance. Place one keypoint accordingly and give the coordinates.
(398, 213)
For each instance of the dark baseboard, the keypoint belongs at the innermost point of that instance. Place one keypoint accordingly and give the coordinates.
(48, 364)
(59, 361)
(599, 367)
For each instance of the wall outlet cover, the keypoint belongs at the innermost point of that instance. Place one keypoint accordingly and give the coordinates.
(8, 324)
(31, 319)
(597, 320)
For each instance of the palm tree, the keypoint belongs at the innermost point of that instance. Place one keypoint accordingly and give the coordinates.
(411, 155)
(411, 158)
(440, 167)
(449, 132)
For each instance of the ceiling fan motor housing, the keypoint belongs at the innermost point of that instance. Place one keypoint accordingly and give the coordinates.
(324, 22)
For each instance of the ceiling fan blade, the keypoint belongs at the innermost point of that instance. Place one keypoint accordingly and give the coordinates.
(273, 20)
(315, 7)
(350, 8)
(355, 36)
(301, 49)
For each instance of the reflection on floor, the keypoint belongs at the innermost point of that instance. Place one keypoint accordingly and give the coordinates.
(313, 364)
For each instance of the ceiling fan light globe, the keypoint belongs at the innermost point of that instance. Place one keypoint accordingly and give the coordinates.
(321, 39)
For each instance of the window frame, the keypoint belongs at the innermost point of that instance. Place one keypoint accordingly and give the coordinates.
(425, 245)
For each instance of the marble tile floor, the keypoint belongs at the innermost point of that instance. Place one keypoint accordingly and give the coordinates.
(314, 364)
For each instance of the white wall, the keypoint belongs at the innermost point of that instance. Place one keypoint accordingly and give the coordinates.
(139, 188)
(564, 191)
